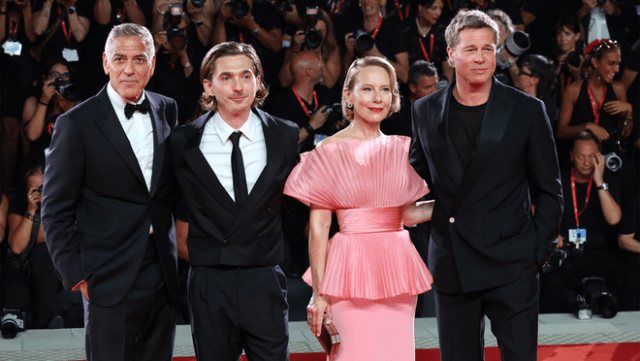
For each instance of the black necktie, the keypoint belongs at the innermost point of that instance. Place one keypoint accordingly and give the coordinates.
(142, 107)
(237, 167)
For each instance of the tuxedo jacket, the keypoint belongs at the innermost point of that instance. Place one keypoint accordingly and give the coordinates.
(220, 232)
(484, 233)
(96, 208)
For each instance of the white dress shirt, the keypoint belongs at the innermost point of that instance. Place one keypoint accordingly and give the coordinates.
(139, 131)
(598, 25)
(216, 148)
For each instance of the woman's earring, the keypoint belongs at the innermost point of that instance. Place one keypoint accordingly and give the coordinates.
(420, 13)
(350, 105)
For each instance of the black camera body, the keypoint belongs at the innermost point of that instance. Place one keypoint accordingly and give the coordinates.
(11, 322)
(67, 89)
(364, 40)
(283, 6)
(595, 298)
(313, 38)
(239, 8)
(175, 36)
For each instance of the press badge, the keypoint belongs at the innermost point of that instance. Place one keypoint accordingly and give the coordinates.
(12, 48)
(70, 55)
(578, 236)
(317, 138)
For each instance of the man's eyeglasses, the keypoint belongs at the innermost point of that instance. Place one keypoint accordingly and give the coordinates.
(523, 72)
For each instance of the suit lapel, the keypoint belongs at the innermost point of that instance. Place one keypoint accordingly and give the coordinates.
(108, 122)
(275, 154)
(440, 130)
(201, 168)
(161, 131)
(494, 123)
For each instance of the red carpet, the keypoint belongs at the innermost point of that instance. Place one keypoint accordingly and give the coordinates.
(592, 352)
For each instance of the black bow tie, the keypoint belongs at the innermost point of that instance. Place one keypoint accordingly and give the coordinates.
(142, 107)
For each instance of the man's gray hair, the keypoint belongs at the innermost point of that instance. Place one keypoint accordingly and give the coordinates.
(469, 19)
(130, 29)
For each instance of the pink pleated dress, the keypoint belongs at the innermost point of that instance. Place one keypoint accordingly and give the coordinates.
(373, 272)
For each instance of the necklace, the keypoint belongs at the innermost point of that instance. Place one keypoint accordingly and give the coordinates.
(422, 33)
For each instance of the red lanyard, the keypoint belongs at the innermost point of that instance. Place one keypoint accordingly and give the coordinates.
(334, 8)
(302, 104)
(575, 201)
(402, 17)
(596, 111)
(121, 15)
(375, 32)
(483, 6)
(67, 34)
(240, 35)
(424, 51)
(13, 29)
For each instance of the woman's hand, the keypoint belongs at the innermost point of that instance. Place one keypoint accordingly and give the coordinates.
(298, 40)
(34, 197)
(598, 131)
(618, 107)
(316, 309)
(48, 91)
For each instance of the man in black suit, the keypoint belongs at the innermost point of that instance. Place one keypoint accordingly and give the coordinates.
(232, 164)
(487, 152)
(106, 211)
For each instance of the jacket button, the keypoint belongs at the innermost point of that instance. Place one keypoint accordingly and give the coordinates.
(452, 220)
(225, 244)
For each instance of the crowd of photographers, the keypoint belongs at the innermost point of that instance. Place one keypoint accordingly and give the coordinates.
(557, 51)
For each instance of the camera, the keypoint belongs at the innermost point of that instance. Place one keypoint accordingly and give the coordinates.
(313, 38)
(578, 306)
(68, 90)
(612, 161)
(239, 8)
(573, 59)
(599, 297)
(364, 40)
(283, 6)
(556, 261)
(11, 323)
(334, 115)
(175, 35)
(515, 44)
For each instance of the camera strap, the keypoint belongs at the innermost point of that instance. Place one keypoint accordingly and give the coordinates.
(594, 106)
(302, 104)
(399, 7)
(67, 34)
(575, 200)
(335, 8)
(35, 228)
(13, 28)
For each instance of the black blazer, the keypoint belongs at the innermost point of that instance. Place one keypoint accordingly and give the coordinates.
(221, 233)
(483, 231)
(96, 209)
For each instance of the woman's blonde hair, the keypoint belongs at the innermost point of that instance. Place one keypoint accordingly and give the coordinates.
(353, 74)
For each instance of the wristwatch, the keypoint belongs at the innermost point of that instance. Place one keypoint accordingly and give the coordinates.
(604, 186)
(71, 10)
(255, 32)
(309, 129)
(186, 65)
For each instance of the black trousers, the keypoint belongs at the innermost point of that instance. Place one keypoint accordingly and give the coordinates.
(512, 309)
(140, 327)
(234, 308)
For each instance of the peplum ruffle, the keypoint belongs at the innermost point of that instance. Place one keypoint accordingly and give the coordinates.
(367, 183)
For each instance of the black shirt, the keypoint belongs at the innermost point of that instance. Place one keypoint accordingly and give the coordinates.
(592, 219)
(464, 126)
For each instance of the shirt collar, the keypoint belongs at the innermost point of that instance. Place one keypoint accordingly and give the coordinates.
(248, 129)
(118, 101)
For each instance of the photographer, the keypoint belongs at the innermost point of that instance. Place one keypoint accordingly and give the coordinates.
(42, 109)
(201, 14)
(256, 23)
(178, 59)
(17, 38)
(586, 229)
(326, 46)
(535, 75)
(68, 20)
(376, 36)
(24, 212)
(597, 104)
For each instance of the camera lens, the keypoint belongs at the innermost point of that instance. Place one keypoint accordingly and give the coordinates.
(198, 3)
(573, 59)
(313, 38)
(364, 41)
(239, 8)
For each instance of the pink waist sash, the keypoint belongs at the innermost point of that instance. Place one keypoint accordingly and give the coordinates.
(370, 220)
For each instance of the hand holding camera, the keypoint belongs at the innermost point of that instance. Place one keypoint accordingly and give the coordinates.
(48, 90)
(319, 117)
(34, 197)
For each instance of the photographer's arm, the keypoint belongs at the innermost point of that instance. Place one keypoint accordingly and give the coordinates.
(203, 18)
(284, 76)
(41, 18)
(628, 243)
(4, 210)
(20, 226)
(79, 26)
(27, 17)
(3, 19)
(219, 30)
(134, 13)
(332, 70)
(34, 114)
(316, 121)
(102, 11)
(610, 208)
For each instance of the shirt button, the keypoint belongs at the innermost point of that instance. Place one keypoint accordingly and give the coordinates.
(452, 220)
(225, 244)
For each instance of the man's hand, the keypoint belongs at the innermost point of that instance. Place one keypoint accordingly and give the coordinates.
(247, 22)
(34, 197)
(162, 40)
(319, 117)
(598, 171)
(225, 11)
(67, 3)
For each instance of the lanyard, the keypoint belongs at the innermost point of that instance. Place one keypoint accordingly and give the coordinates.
(334, 8)
(302, 104)
(240, 35)
(424, 51)
(406, 15)
(596, 111)
(67, 34)
(575, 201)
(121, 15)
(13, 28)
(375, 32)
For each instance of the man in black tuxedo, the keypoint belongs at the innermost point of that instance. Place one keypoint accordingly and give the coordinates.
(232, 164)
(106, 211)
(487, 152)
